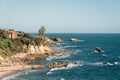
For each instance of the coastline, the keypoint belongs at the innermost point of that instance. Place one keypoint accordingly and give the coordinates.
(7, 70)
(13, 67)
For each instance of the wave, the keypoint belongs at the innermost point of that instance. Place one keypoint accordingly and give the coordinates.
(57, 47)
(55, 69)
(70, 46)
(104, 55)
(57, 56)
(101, 64)
(10, 76)
(14, 76)
(117, 63)
(63, 43)
(62, 79)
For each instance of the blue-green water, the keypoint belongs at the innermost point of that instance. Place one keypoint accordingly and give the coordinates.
(93, 67)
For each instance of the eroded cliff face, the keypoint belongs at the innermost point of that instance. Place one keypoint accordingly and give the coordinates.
(1, 59)
(39, 49)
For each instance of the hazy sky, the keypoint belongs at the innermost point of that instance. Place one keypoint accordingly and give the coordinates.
(66, 16)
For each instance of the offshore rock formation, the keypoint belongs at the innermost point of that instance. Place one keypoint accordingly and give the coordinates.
(74, 40)
(57, 39)
(98, 50)
(60, 64)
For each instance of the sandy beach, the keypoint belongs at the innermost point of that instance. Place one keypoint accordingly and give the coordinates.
(16, 63)
(6, 70)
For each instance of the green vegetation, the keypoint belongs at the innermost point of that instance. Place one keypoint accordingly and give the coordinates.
(41, 32)
(10, 47)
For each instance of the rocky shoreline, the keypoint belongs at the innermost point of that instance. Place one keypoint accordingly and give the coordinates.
(20, 62)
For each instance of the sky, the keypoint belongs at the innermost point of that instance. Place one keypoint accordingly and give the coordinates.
(61, 16)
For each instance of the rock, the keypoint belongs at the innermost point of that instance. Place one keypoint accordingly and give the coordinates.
(1, 59)
(49, 41)
(31, 49)
(41, 66)
(57, 39)
(41, 49)
(74, 40)
(57, 65)
(30, 58)
(98, 50)
(48, 49)
(60, 64)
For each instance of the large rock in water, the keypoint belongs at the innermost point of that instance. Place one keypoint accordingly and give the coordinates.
(60, 64)
(98, 50)
(74, 40)
(57, 39)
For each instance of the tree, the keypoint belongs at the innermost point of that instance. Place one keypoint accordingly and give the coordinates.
(41, 32)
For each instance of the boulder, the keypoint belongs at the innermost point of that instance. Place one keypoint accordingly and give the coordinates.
(49, 41)
(57, 39)
(74, 40)
(41, 66)
(98, 50)
(57, 65)
(48, 49)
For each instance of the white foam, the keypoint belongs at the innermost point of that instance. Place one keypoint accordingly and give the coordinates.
(11, 76)
(62, 79)
(103, 55)
(49, 72)
(102, 64)
(70, 46)
(57, 56)
(117, 63)
(81, 40)
(69, 66)
(78, 50)
(54, 69)
(63, 43)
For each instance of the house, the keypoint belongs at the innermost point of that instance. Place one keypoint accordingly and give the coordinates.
(12, 33)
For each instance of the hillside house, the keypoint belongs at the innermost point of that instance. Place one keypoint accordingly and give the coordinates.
(12, 33)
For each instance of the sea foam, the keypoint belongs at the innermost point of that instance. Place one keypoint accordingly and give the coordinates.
(57, 56)
(11, 76)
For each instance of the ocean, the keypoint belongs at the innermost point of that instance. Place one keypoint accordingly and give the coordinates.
(92, 66)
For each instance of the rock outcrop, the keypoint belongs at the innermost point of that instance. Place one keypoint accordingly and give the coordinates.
(98, 50)
(60, 64)
(39, 49)
(74, 40)
(57, 39)
(41, 66)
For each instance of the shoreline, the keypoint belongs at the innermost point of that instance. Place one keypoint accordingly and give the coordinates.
(14, 67)
(7, 70)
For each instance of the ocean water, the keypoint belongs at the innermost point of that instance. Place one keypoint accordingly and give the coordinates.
(91, 66)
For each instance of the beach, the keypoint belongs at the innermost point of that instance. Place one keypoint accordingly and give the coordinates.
(20, 61)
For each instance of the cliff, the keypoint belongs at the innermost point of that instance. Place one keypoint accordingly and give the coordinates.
(26, 43)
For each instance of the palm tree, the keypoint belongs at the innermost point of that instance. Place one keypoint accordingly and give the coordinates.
(41, 32)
